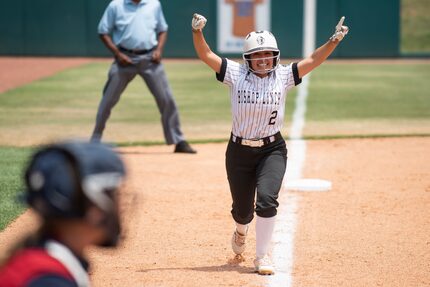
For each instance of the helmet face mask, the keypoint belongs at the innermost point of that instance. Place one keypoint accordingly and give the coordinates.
(261, 41)
(65, 180)
(253, 62)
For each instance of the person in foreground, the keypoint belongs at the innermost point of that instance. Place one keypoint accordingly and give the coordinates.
(256, 155)
(73, 187)
(135, 31)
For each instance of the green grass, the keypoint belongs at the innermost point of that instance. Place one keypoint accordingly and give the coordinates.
(69, 101)
(72, 97)
(369, 92)
(415, 26)
(339, 93)
(12, 161)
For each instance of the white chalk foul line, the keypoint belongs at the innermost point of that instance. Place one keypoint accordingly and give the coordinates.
(283, 237)
(285, 228)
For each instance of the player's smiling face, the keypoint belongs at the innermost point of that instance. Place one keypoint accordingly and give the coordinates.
(262, 62)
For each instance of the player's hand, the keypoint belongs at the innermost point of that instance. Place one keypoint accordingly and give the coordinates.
(156, 56)
(198, 22)
(340, 32)
(123, 59)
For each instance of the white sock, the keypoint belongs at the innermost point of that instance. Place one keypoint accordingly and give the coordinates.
(264, 229)
(242, 228)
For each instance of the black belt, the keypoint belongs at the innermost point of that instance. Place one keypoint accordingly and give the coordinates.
(135, 52)
(256, 142)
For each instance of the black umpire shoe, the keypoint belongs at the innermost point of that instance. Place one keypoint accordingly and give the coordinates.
(184, 147)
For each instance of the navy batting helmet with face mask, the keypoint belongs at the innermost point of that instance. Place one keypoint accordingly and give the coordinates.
(64, 179)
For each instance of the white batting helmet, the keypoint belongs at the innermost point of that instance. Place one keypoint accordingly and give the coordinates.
(261, 41)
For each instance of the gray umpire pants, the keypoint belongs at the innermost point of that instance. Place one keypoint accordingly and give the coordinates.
(155, 78)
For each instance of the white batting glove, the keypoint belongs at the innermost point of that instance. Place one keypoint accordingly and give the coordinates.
(198, 22)
(340, 32)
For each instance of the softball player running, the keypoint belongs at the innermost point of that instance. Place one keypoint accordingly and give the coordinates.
(256, 155)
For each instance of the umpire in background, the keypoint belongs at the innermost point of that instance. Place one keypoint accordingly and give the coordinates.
(72, 186)
(136, 31)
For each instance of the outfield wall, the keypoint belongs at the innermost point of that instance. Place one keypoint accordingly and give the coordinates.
(69, 28)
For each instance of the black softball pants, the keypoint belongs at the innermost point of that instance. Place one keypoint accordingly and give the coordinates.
(252, 170)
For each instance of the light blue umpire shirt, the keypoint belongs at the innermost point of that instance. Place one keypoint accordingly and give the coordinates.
(133, 26)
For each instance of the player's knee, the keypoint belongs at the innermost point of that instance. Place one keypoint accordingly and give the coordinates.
(266, 206)
(168, 107)
(268, 212)
(169, 102)
(243, 217)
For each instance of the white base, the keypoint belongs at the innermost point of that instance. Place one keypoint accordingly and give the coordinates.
(308, 184)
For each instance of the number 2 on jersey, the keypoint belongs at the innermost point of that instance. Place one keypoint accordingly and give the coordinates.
(272, 119)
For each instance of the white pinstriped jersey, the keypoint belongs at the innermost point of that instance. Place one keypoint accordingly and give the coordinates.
(257, 104)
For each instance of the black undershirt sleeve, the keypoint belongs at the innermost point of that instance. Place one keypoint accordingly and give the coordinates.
(220, 76)
(297, 80)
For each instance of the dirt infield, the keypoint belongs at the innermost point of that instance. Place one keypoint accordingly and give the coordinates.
(371, 229)
(17, 71)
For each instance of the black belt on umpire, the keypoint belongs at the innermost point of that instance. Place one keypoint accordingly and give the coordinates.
(135, 52)
(256, 142)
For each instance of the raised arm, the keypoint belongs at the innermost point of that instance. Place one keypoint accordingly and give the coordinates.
(202, 48)
(306, 65)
